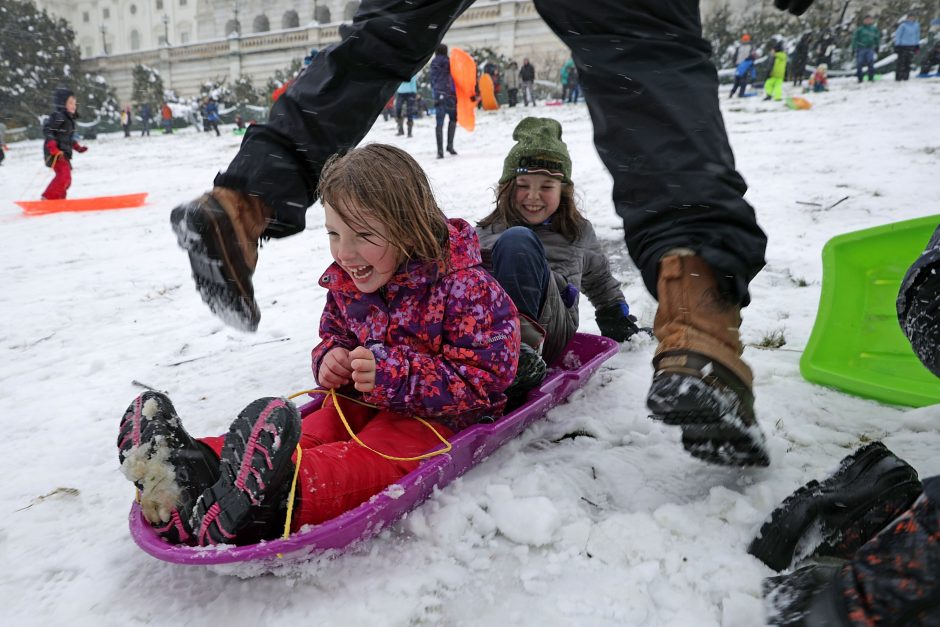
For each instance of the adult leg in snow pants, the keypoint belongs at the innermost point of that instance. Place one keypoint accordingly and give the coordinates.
(652, 97)
(61, 182)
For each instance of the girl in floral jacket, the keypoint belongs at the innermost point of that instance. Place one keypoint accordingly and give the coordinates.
(419, 338)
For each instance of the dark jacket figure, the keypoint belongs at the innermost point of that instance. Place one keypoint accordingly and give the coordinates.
(527, 77)
(445, 100)
(212, 116)
(919, 305)
(58, 142)
(799, 59)
(146, 116)
(824, 48)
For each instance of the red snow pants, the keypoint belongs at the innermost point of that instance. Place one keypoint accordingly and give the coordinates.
(62, 181)
(336, 473)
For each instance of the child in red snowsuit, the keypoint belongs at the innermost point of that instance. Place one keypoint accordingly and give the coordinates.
(58, 131)
(419, 338)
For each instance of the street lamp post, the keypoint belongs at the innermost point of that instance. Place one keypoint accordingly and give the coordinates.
(166, 30)
(104, 40)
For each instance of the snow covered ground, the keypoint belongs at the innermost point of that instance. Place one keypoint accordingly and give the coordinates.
(618, 527)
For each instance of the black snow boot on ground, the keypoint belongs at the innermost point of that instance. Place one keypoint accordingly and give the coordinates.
(246, 504)
(220, 231)
(439, 135)
(169, 467)
(529, 374)
(891, 580)
(700, 383)
(838, 515)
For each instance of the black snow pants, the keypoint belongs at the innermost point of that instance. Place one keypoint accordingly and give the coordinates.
(649, 85)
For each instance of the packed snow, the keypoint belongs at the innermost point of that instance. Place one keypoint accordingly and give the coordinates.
(593, 516)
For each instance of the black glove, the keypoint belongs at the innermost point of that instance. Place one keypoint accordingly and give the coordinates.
(796, 7)
(616, 322)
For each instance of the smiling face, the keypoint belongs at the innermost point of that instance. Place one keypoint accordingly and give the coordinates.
(362, 251)
(71, 104)
(536, 197)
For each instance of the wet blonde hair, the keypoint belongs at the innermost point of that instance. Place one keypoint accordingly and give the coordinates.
(567, 220)
(386, 183)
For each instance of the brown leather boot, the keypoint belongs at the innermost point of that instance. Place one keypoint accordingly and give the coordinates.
(700, 382)
(220, 231)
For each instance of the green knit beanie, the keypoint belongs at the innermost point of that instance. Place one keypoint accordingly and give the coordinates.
(538, 150)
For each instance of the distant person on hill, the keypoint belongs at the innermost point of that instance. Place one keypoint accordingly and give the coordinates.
(906, 44)
(212, 116)
(819, 81)
(146, 117)
(512, 83)
(773, 86)
(445, 100)
(527, 78)
(865, 43)
(127, 118)
(166, 114)
(800, 58)
(58, 142)
(931, 59)
(405, 105)
(745, 73)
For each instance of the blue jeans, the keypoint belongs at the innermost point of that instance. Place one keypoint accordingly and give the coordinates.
(520, 266)
(865, 57)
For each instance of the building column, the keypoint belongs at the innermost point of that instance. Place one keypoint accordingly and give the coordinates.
(234, 57)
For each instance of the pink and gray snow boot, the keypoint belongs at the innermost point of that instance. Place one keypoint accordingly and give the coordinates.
(169, 467)
(247, 504)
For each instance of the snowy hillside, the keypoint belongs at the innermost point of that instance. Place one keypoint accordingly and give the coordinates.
(614, 526)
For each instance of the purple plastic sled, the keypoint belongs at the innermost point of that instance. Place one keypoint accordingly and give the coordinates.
(584, 355)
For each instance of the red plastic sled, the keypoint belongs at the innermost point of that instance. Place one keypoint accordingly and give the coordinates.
(583, 356)
(98, 203)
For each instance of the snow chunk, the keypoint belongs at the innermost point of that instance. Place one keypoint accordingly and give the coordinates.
(531, 521)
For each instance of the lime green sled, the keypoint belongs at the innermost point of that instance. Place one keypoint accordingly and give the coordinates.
(857, 345)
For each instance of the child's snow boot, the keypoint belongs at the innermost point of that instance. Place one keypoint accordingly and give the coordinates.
(220, 231)
(169, 467)
(835, 517)
(700, 382)
(247, 502)
(439, 135)
(401, 126)
(531, 369)
(411, 124)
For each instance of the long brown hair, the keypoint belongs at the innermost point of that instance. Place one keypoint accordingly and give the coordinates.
(387, 183)
(567, 220)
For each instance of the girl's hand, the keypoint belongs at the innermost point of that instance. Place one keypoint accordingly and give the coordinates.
(363, 365)
(335, 368)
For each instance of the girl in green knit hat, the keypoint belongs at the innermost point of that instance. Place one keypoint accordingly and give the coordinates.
(542, 250)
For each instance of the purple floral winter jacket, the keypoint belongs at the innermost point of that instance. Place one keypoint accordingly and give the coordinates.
(445, 339)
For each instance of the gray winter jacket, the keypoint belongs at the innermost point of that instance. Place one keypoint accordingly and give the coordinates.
(580, 263)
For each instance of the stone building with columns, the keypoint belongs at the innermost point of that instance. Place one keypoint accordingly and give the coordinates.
(192, 41)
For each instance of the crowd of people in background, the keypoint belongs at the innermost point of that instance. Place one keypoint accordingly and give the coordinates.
(811, 56)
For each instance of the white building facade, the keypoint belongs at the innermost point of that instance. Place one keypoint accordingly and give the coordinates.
(192, 41)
